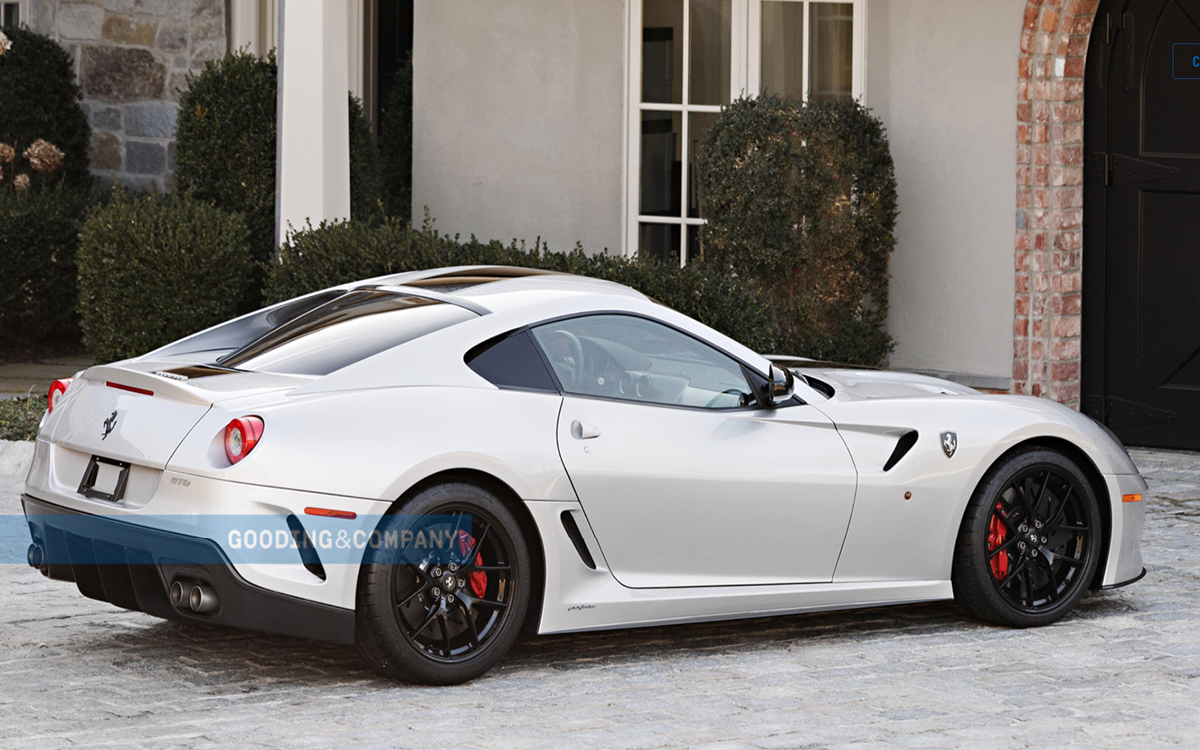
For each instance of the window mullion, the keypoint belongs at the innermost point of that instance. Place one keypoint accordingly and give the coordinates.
(683, 129)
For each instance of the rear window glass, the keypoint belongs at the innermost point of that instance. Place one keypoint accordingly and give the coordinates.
(238, 333)
(356, 325)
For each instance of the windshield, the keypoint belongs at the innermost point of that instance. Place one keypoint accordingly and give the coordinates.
(356, 325)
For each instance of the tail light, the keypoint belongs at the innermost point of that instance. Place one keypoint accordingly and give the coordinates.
(241, 435)
(57, 388)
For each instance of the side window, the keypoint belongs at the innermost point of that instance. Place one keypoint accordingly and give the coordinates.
(631, 358)
(511, 362)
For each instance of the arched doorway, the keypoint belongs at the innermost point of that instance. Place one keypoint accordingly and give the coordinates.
(1141, 222)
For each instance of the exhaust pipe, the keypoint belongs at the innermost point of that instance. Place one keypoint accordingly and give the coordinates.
(36, 557)
(203, 600)
(177, 594)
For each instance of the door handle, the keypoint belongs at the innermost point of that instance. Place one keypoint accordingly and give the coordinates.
(581, 431)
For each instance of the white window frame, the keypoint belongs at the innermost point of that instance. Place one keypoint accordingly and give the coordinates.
(23, 17)
(745, 76)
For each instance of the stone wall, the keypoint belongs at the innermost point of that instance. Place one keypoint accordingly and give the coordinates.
(132, 59)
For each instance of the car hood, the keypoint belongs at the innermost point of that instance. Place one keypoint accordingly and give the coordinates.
(851, 384)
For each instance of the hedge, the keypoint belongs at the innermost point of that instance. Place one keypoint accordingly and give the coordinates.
(39, 100)
(155, 268)
(225, 148)
(801, 199)
(338, 253)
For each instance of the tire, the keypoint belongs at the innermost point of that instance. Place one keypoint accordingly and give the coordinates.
(443, 615)
(1004, 572)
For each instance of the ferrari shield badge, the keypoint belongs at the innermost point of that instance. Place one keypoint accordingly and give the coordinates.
(949, 443)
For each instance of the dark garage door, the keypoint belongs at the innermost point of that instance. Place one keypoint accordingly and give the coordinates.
(1141, 316)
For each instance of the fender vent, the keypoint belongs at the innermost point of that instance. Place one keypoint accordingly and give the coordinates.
(306, 548)
(903, 445)
(572, 529)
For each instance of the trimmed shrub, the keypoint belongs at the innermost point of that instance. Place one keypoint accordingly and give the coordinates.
(39, 236)
(802, 200)
(366, 180)
(39, 100)
(225, 145)
(338, 253)
(395, 144)
(155, 268)
(19, 417)
(225, 142)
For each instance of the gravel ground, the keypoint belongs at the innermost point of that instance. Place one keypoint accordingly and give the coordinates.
(1124, 671)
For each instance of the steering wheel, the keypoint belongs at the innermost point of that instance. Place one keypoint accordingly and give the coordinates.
(727, 392)
(570, 374)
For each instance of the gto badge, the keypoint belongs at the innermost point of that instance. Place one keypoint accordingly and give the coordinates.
(949, 443)
(110, 424)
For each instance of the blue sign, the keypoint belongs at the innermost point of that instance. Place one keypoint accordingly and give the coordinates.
(1185, 60)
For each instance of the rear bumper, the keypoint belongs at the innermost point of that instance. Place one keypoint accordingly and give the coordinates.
(133, 567)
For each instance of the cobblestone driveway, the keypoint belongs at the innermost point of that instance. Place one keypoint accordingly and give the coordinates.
(1124, 671)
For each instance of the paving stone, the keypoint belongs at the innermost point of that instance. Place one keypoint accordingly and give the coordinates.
(1123, 671)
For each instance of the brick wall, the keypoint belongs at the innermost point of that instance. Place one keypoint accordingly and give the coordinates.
(1046, 335)
(132, 57)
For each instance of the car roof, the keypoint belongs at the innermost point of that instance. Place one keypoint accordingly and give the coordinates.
(504, 288)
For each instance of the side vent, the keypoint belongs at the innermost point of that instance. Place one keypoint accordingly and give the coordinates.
(306, 548)
(903, 446)
(572, 529)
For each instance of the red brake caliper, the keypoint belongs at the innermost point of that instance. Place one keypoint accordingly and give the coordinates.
(478, 578)
(997, 533)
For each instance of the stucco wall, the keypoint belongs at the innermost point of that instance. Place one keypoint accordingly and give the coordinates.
(518, 119)
(943, 78)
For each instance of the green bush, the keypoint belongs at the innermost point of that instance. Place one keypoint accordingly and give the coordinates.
(155, 268)
(19, 417)
(802, 201)
(39, 236)
(366, 179)
(395, 144)
(225, 146)
(338, 253)
(39, 100)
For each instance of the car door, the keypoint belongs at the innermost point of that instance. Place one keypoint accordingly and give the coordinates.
(685, 479)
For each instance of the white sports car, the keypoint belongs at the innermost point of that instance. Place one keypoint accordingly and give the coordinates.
(423, 463)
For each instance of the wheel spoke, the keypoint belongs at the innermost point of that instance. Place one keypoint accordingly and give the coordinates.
(1027, 580)
(476, 546)
(1053, 523)
(446, 636)
(1051, 592)
(1070, 561)
(1011, 541)
(472, 631)
(1042, 494)
(420, 588)
(1015, 571)
(1076, 529)
(489, 603)
(429, 618)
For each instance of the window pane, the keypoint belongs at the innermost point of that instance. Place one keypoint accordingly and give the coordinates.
(511, 362)
(662, 51)
(710, 51)
(698, 125)
(10, 15)
(783, 49)
(660, 241)
(357, 325)
(634, 359)
(695, 250)
(831, 50)
(661, 134)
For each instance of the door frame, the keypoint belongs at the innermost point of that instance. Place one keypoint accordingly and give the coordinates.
(1093, 388)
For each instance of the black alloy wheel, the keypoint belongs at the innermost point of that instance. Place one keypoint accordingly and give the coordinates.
(1028, 547)
(447, 604)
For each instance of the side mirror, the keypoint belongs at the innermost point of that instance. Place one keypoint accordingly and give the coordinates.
(781, 387)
